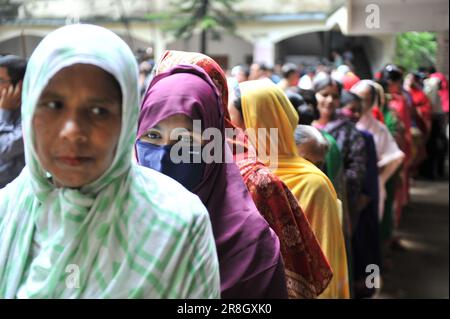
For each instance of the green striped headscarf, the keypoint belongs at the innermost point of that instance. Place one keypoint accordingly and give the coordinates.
(121, 236)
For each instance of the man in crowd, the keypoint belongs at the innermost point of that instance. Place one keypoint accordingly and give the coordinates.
(12, 159)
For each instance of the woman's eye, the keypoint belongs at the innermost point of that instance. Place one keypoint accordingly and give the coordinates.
(153, 135)
(98, 110)
(54, 105)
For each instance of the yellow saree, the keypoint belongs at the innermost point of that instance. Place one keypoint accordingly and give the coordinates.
(265, 106)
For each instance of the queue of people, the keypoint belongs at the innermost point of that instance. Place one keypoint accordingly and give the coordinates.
(201, 185)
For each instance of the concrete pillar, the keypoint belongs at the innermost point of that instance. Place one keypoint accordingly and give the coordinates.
(442, 52)
(380, 50)
(264, 51)
(159, 44)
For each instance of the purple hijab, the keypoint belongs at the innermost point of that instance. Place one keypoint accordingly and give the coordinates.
(248, 249)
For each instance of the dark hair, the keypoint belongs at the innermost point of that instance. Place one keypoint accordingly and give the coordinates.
(384, 86)
(15, 66)
(288, 69)
(246, 70)
(237, 99)
(306, 112)
(295, 99)
(374, 95)
(422, 69)
(348, 97)
(322, 80)
(392, 73)
(419, 77)
(263, 67)
(309, 96)
(432, 69)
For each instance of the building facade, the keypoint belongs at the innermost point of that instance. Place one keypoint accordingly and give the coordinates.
(269, 31)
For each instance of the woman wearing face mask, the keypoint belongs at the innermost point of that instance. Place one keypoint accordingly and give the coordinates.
(248, 250)
(82, 221)
(265, 106)
(307, 270)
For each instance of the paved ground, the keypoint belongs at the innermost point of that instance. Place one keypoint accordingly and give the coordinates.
(422, 270)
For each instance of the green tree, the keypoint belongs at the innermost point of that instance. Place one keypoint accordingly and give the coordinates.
(415, 49)
(204, 15)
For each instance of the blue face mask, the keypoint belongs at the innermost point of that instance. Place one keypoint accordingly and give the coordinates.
(156, 157)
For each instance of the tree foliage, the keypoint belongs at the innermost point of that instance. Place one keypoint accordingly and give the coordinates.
(203, 15)
(415, 49)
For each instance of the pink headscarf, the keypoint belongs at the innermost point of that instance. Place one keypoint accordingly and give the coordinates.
(248, 249)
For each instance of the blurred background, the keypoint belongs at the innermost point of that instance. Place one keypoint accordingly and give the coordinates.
(363, 35)
(236, 32)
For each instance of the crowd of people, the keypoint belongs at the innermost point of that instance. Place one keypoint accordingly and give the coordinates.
(163, 181)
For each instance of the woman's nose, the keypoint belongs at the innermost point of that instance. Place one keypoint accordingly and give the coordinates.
(73, 130)
(330, 99)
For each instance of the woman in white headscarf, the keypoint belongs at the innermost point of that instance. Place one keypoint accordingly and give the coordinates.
(389, 155)
(82, 220)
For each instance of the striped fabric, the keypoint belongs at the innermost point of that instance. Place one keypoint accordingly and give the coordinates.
(122, 236)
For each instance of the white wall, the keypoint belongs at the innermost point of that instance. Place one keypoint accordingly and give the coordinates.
(113, 8)
(234, 47)
(399, 16)
(20, 46)
(380, 50)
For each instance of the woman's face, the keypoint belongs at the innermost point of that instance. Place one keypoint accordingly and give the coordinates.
(409, 81)
(173, 129)
(77, 124)
(327, 101)
(352, 111)
(365, 94)
(308, 151)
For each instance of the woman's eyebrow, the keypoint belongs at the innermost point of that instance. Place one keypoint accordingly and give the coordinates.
(101, 100)
(51, 95)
